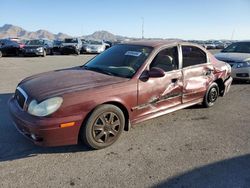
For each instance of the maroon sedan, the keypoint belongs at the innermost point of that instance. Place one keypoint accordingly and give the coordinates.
(126, 84)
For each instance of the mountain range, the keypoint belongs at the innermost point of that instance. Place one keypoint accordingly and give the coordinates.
(9, 30)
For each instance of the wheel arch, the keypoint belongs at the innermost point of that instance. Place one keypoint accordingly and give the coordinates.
(221, 86)
(115, 103)
(125, 112)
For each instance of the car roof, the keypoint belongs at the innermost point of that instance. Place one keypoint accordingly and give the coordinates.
(158, 43)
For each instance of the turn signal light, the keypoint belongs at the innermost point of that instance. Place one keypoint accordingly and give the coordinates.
(70, 124)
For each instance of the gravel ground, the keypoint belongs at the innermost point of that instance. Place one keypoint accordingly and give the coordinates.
(193, 147)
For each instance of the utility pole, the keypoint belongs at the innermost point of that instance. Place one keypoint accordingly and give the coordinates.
(142, 28)
(232, 36)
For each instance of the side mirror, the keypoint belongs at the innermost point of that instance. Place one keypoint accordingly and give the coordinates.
(156, 72)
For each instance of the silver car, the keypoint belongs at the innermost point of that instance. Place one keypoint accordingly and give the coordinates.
(238, 56)
(94, 47)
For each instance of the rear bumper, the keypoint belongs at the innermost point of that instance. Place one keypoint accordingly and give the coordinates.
(45, 131)
(227, 85)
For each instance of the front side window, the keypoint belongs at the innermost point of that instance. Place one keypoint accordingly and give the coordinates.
(120, 60)
(166, 59)
(193, 56)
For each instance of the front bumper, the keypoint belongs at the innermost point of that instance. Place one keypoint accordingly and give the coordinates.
(32, 52)
(45, 131)
(241, 73)
(68, 49)
(94, 50)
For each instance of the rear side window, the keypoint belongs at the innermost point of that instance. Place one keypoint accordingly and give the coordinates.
(193, 56)
(166, 59)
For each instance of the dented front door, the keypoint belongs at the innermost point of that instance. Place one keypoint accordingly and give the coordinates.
(158, 94)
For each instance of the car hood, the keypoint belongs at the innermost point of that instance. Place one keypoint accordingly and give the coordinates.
(59, 82)
(232, 57)
(94, 45)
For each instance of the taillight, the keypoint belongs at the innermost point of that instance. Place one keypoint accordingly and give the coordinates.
(21, 45)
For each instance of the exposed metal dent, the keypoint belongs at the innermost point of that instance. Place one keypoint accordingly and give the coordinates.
(157, 100)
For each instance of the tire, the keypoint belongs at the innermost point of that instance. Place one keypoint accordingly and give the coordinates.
(44, 53)
(103, 127)
(211, 95)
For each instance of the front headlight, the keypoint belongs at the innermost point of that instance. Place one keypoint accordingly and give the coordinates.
(46, 107)
(40, 49)
(243, 64)
(101, 48)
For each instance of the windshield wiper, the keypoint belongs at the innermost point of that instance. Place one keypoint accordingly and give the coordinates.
(100, 70)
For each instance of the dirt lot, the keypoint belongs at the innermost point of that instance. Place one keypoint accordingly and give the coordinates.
(194, 147)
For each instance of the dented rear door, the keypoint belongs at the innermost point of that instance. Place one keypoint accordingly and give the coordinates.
(197, 73)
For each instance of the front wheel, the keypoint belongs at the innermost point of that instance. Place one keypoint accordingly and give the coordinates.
(103, 127)
(77, 52)
(211, 95)
(44, 53)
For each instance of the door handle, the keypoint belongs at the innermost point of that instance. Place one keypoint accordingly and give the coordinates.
(208, 72)
(174, 80)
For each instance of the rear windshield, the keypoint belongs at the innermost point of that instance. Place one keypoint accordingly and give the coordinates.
(238, 47)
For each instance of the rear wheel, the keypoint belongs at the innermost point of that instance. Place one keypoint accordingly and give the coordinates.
(211, 95)
(103, 127)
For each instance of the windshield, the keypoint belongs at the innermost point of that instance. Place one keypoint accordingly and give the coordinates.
(57, 42)
(120, 60)
(70, 41)
(34, 42)
(95, 42)
(238, 47)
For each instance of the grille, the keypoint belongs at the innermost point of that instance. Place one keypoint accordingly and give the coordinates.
(242, 75)
(21, 97)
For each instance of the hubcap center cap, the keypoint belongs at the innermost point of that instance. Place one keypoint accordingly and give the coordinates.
(107, 127)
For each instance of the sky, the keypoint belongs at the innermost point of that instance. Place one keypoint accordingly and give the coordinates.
(185, 19)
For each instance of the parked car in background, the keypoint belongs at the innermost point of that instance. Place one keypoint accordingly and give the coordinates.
(71, 46)
(238, 56)
(209, 45)
(57, 46)
(109, 44)
(219, 45)
(84, 44)
(38, 47)
(127, 84)
(11, 47)
(93, 46)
